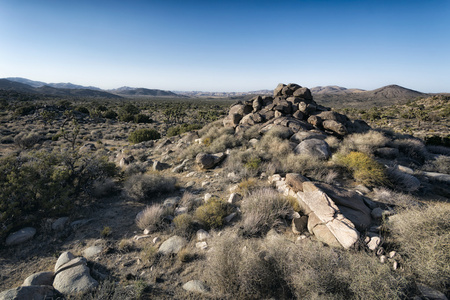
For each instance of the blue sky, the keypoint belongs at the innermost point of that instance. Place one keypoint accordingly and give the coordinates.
(228, 45)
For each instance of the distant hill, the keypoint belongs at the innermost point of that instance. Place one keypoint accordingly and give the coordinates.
(338, 97)
(46, 90)
(202, 94)
(333, 89)
(128, 91)
(61, 85)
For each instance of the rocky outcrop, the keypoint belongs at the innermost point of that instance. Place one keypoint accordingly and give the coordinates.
(334, 216)
(35, 292)
(295, 105)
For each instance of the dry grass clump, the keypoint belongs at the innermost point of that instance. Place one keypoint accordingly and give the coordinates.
(151, 218)
(27, 140)
(364, 168)
(188, 200)
(211, 214)
(246, 186)
(144, 186)
(311, 167)
(394, 198)
(363, 142)
(262, 210)
(103, 187)
(422, 236)
(275, 267)
(273, 146)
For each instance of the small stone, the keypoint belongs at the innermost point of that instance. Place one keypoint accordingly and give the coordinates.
(195, 286)
(202, 235)
(392, 254)
(156, 240)
(191, 174)
(230, 217)
(20, 236)
(382, 259)
(394, 265)
(234, 188)
(374, 242)
(207, 197)
(380, 251)
(234, 197)
(201, 245)
(59, 224)
(147, 231)
(377, 213)
(205, 183)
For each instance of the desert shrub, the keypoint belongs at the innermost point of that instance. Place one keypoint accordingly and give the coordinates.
(440, 164)
(311, 167)
(103, 187)
(262, 209)
(223, 142)
(277, 268)
(27, 141)
(244, 164)
(274, 147)
(211, 214)
(402, 181)
(24, 110)
(110, 114)
(192, 151)
(364, 168)
(422, 236)
(106, 231)
(149, 254)
(82, 109)
(151, 218)
(363, 142)
(142, 135)
(110, 289)
(143, 187)
(414, 149)
(125, 246)
(177, 130)
(42, 184)
(141, 118)
(247, 185)
(184, 225)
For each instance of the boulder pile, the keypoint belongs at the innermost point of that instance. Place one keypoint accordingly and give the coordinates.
(291, 106)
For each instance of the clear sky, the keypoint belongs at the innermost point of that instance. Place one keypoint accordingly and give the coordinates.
(228, 45)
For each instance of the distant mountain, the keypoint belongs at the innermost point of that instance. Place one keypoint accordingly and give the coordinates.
(339, 97)
(46, 90)
(27, 81)
(128, 91)
(61, 85)
(9, 85)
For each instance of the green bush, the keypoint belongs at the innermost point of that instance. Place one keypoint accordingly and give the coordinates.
(184, 225)
(211, 214)
(142, 135)
(364, 168)
(82, 109)
(42, 184)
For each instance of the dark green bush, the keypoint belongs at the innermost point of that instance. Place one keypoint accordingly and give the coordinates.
(142, 135)
(25, 110)
(110, 114)
(141, 118)
(82, 109)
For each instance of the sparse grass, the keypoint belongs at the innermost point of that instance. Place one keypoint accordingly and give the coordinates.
(149, 254)
(151, 218)
(365, 169)
(106, 232)
(422, 236)
(262, 209)
(248, 185)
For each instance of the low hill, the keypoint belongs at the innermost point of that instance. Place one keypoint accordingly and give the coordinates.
(127, 91)
(341, 97)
